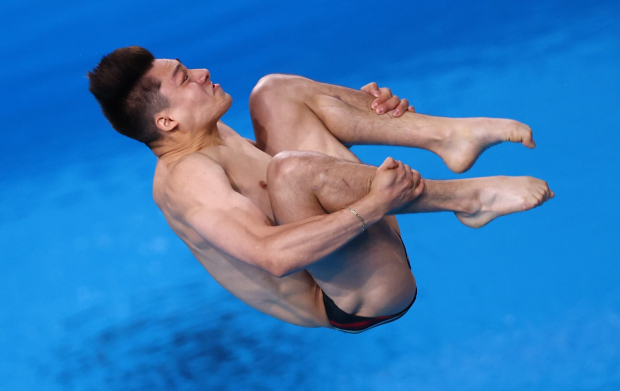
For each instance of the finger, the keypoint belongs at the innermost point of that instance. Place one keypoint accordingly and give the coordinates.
(401, 108)
(419, 188)
(416, 175)
(411, 109)
(399, 166)
(409, 172)
(386, 94)
(372, 89)
(388, 105)
(417, 179)
(401, 171)
(387, 164)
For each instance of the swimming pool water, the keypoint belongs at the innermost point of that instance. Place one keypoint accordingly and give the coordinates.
(98, 293)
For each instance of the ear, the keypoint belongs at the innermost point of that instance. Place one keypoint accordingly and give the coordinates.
(165, 122)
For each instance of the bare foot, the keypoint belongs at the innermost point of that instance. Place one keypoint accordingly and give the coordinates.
(502, 195)
(469, 137)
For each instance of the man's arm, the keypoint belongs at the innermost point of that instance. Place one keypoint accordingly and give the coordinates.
(203, 198)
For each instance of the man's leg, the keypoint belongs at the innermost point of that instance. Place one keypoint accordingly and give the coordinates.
(337, 182)
(369, 276)
(288, 116)
(295, 113)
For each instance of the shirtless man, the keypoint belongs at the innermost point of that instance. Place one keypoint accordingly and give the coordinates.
(294, 225)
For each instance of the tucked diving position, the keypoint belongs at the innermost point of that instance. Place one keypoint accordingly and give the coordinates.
(293, 224)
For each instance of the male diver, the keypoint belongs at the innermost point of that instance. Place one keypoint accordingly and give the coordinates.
(294, 224)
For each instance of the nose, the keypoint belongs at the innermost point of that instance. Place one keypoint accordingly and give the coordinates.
(204, 75)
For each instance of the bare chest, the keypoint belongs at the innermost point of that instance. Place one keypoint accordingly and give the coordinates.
(247, 174)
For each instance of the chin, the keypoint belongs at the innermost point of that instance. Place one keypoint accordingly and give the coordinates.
(227, 104)
(224, 106)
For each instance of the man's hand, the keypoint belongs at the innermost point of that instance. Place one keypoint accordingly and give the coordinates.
(395, 184)
(386, 102)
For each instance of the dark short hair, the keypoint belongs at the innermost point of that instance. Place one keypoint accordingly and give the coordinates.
(128, 98)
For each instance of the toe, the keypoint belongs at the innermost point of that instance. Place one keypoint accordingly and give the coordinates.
(530, 203)
(527, 136)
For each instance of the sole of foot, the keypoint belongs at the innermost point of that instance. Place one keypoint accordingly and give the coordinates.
(502, 195)
(470, 137)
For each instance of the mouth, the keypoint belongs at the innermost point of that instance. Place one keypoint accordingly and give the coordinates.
(215, 87)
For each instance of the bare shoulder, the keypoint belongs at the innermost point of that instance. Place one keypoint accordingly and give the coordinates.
(198, 185)
(197, 175)
(188, 182)
(201, 197)
(194, 165)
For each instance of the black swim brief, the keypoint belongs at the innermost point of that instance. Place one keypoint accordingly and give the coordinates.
(354, 324)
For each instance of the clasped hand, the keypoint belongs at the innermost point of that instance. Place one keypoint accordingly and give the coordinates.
(385, 102)
(395, 185)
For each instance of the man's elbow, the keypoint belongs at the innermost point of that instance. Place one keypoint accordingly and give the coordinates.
(280, 271)
(274, 264)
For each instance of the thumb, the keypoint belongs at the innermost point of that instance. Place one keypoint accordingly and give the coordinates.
(374, 89)
(388, 164)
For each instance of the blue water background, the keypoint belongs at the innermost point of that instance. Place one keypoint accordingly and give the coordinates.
(97, 293)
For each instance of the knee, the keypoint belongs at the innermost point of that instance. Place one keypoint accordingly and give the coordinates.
(270, 83)
(275, 88)
(285, 167)
(294, 168)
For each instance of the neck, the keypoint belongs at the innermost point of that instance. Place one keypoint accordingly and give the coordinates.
(179, 144)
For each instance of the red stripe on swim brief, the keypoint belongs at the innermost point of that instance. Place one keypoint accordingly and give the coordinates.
(363, 323)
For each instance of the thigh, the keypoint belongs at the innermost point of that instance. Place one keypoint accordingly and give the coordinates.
(283, 122)
(370, 275)
(295, 299)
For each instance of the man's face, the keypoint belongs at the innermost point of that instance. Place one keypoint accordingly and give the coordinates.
(195, 102)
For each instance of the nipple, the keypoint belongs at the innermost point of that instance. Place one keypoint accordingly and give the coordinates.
(263, 184)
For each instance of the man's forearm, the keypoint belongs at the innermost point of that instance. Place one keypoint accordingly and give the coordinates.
(295, 246)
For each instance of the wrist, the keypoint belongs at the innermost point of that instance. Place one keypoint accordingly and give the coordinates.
(369, 209)
(360, 218)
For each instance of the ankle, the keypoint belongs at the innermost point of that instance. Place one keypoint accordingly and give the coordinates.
(472, 202)
(436, 130)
